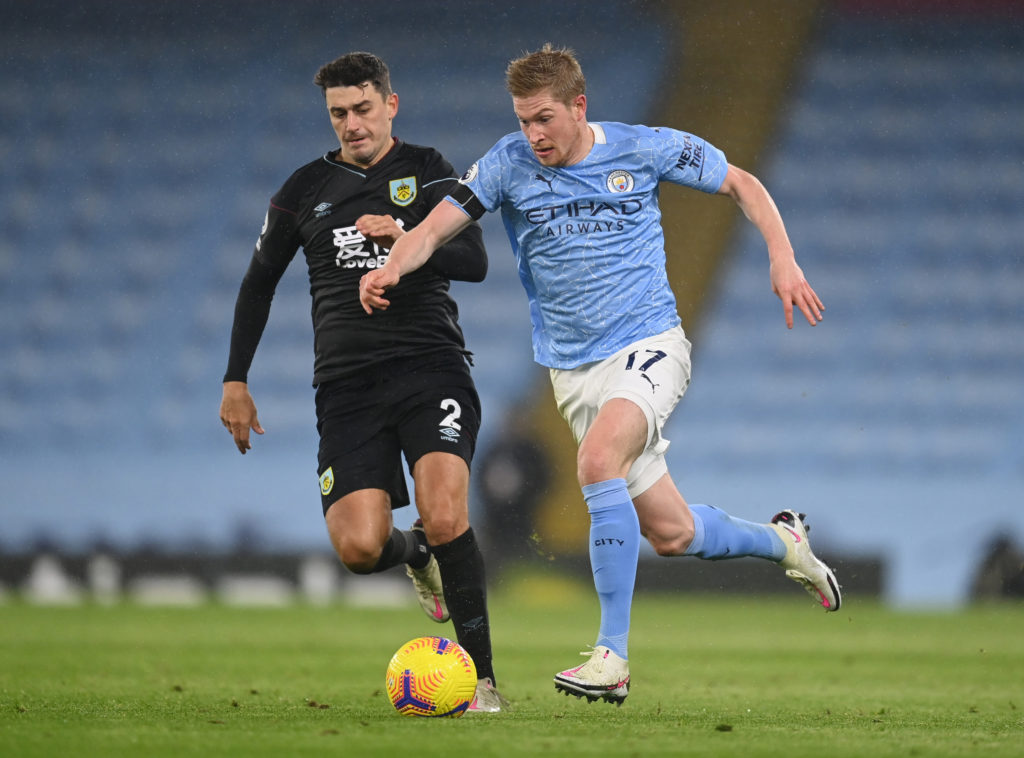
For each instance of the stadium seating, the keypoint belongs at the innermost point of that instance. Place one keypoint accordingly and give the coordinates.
(141, 147)
(899, 169)
(141, 144)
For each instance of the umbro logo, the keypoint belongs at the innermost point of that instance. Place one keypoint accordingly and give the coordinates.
(324, 209)
(450, 434)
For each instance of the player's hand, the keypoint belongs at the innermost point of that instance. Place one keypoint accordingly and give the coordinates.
(383, 230)
(238, 414)
(792, 289)
(373, 285)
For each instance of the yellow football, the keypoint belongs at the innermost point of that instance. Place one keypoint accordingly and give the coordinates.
(431, 676)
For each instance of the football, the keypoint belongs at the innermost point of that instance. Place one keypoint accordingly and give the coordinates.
(431, 676)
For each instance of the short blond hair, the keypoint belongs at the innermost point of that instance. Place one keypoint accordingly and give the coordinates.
(549, 68)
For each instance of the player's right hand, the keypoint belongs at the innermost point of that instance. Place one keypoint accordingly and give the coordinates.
(372, 287)
(381, 229)
(238, 414)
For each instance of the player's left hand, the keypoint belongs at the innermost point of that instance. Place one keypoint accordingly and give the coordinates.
(382, 230)
(789, 284)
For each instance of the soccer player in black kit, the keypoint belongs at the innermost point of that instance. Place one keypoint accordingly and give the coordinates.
(389, 384)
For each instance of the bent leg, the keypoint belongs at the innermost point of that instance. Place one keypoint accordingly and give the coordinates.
(718, 536)
(359, 525)
(675, 528)
(665, 518)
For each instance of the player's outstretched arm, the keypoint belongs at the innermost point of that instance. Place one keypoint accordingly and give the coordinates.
(787, 279)
(238, 414)
(410, 252)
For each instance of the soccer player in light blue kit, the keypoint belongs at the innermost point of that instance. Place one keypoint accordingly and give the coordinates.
(580, 204)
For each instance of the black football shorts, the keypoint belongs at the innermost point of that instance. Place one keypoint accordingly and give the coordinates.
(410, 406)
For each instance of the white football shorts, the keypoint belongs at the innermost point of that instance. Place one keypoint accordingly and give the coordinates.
(653, 373)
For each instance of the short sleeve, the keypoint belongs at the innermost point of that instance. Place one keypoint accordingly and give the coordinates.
(690, 160)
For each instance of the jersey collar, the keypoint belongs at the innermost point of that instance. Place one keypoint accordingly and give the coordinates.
(332, 157)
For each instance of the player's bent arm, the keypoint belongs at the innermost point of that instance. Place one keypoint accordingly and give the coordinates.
(463, 258)
(415, 247)
(410, 252)
(787, 280)
(757, 205)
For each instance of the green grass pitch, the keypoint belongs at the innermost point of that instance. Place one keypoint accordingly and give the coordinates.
(712, 676)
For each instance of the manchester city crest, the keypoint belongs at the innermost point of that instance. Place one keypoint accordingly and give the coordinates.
(403, 191)
(620, 181)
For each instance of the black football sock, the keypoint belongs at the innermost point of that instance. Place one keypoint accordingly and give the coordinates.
(402, 547)
(465, 592)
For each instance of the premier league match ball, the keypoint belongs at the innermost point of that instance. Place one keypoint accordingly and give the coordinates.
(431, 676)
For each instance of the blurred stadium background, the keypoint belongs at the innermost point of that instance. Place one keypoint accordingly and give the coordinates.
(140, 143)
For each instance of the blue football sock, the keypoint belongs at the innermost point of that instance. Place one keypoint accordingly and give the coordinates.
(718, 535)
(614, 549)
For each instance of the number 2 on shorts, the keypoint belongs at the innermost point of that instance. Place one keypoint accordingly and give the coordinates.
(454, 411)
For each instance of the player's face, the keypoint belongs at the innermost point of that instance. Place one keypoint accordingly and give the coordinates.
(557, 132)
(361, 118)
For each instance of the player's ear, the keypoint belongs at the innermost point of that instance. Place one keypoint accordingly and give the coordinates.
(392, 104)
(579, 106)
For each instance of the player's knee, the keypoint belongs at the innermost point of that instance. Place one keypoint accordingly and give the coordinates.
(357, 557)
(595, 463)
(444, 525)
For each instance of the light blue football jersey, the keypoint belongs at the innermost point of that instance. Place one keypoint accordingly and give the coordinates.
(587, 238)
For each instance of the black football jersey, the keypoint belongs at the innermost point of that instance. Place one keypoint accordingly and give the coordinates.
(316, 209)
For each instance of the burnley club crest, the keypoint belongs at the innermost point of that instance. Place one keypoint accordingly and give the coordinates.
(403, 191)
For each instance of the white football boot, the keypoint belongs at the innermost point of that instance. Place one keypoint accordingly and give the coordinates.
(800, 563)
(605, 675)
(487, 698)
(429, 589)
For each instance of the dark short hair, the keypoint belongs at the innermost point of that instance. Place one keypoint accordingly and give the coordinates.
(354, 70)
